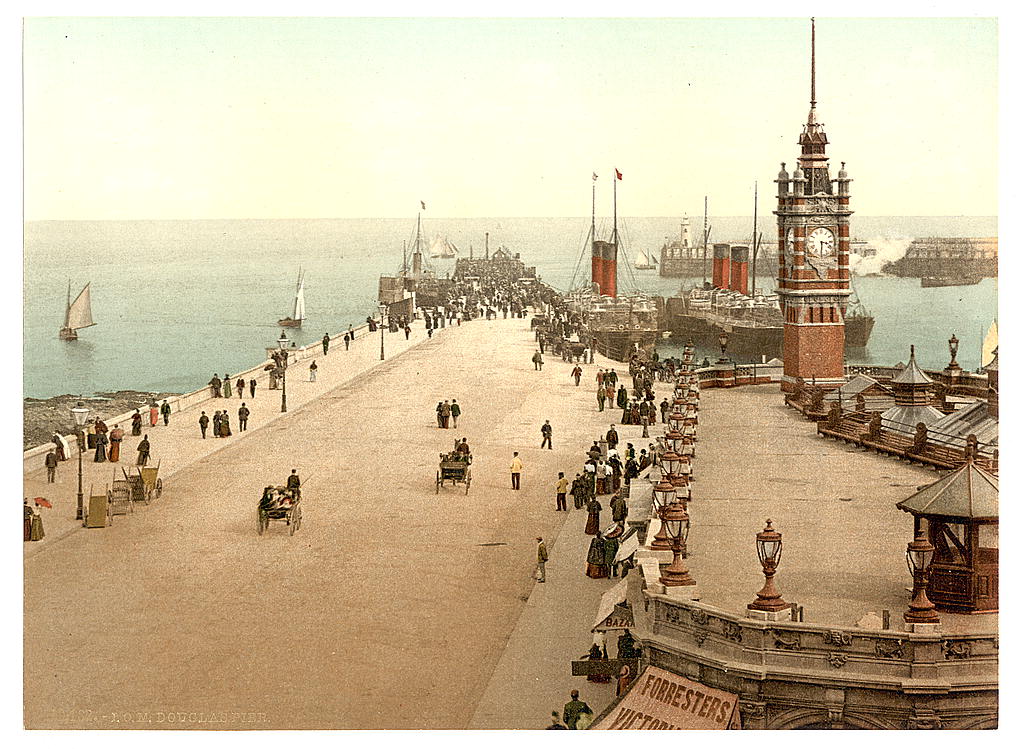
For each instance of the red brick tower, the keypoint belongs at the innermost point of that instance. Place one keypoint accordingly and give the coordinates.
(814, 259)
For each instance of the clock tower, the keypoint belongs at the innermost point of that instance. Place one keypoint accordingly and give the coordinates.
(814, 259)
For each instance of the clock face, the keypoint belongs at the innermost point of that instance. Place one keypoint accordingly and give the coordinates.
(821, 243)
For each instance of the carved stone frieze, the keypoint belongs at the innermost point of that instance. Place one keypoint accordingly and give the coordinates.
(699, 617)
(785, 641)
(838, 638)
(889, 649)
(732, 631)
(956, 649)
(700, 636)
(837, 660)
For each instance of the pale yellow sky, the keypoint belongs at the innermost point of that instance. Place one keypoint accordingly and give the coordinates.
(268, 118)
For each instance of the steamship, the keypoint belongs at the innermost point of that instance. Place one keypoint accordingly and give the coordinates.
(753, 322)
(617, 326)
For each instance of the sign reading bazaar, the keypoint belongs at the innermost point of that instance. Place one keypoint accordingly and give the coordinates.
(663, 701)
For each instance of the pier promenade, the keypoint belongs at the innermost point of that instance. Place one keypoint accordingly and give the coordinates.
(388, 608)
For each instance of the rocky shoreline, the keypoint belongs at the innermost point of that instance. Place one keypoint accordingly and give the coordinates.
(44, 416)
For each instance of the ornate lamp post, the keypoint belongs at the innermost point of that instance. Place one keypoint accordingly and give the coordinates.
(383, 314)
(769, 552)
(79, 413)
(954, 346)
(723, 341)
(919, 556)
(664, 494)
(677, 522)
(282, 366)
(674, 440)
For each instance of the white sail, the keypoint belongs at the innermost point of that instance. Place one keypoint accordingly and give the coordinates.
(79, 314)
(641, 259)
(990, 344)
(299, 313)
(442, 248)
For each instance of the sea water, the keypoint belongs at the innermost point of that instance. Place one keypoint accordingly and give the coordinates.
(177, 301)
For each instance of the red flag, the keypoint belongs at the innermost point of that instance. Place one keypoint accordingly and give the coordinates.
(424, 205)
(618, 174)
(42, 502)
(595, 176)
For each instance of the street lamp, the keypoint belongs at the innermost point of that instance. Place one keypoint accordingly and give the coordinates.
(769, 552)
(954, 346)
(723, 341)
(664, 494)
(383, 312)
(79, 414)
(282, 364)
(919, 556)
(677, 522)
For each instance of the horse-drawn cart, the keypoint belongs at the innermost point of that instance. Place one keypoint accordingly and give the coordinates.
(279, 503)
(454, 467)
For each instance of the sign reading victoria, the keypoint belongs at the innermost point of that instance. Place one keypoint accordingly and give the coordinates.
(663, 701)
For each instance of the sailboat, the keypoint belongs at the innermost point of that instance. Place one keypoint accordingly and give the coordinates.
(643, 262)
(78, 314)
(989, 345)
(299, 310)
(442, 248)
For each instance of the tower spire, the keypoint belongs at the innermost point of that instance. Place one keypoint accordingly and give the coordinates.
(813, 98)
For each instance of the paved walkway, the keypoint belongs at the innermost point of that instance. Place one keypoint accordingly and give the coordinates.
(180, 443)
(389, 608)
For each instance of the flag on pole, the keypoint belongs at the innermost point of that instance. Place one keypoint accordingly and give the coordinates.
(595, 176)
(424, 205)
(618, 174)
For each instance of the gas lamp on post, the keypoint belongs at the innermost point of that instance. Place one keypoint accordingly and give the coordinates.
(282, 369)
(769, 552)
(664, 494)
(79, 413)
(954, 347)
(383, 314)
(919, 556)
(723, 341)
(677, 523)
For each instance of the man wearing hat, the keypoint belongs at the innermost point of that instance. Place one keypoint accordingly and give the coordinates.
(542, 557)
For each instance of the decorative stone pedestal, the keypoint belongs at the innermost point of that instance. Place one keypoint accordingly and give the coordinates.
(786, 615)
(924, 629)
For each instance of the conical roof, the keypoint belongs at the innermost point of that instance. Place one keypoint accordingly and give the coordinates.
(968, 492)
(912, 374)
(993, 366)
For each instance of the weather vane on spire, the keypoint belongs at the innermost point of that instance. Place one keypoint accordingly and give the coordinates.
(813, 98)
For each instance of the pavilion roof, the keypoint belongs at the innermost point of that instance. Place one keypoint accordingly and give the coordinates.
(968, 492)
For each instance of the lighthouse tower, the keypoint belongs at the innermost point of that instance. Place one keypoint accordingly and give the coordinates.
(814, 258)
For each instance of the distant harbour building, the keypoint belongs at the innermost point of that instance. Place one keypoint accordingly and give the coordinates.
(948, 257)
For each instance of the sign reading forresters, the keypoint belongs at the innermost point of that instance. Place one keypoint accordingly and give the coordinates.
(663, 701)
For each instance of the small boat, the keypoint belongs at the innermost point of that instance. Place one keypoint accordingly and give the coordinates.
(643, 262)
(299, 310)
(989, 345)
(933, 282)
(443, 248)
(78, 314)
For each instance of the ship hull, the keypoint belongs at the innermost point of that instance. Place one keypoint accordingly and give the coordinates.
(933, 282)
(290, 323)
(752, 342)
(67, 334)
(619, 345)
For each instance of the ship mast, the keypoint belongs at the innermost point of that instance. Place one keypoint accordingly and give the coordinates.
(67, 309)
(753, 247)
(705, 240)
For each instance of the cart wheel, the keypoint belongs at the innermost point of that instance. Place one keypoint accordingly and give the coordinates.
(159, 487)
(259, 523)
(437, 486)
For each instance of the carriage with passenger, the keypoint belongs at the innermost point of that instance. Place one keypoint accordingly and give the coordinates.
(279, 503)
(454, 467)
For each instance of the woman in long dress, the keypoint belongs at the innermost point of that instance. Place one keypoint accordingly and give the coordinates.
(136, 423)
(154, 413)
(225, 425)
(101, 447)
(58, 441)
(227, 386)
(116, 435)
(596, 567)
(593, 518)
